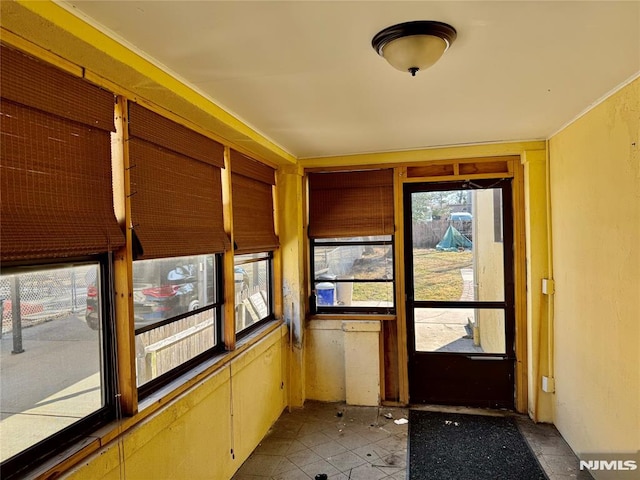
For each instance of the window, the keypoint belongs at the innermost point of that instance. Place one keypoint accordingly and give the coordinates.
(253, 293)
(58, 227)
(176, 211)
(177, 313)
(353, 274)
(351, 228)
(255, 239)
(55, 383)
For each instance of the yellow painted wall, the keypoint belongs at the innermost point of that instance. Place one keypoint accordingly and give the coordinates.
(595, 195)
(210, 429)
(595, 198)
(489, 273)
(291, 235)
(539, 305)
(194, 436)
(325, 366)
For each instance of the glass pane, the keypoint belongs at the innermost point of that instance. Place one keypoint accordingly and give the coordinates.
(463, 330)
(168, 287)
(354, 294)
(365, 262)
(373, 238)
(252, 291)
(164, 348)
(50, 359)
(457, 245)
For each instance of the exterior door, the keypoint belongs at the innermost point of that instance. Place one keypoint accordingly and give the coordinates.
(460, 292)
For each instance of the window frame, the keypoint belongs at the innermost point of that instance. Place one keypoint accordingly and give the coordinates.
(54, 444)
(217, 306)
(268, 257)
(316, 309)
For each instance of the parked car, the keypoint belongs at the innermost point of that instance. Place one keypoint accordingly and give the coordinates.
(163, 289)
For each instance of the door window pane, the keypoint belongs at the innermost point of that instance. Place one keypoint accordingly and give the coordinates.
(459, 330)
(456, 253)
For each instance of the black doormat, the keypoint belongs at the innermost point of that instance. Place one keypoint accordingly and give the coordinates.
(452, 446)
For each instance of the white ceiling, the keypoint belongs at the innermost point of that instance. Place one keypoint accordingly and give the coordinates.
(304, 75)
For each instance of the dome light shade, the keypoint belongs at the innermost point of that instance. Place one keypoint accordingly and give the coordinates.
(414, 46)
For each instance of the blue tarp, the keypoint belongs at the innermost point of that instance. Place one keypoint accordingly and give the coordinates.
(453, 241)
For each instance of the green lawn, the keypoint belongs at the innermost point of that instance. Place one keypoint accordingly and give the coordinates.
(436, 276)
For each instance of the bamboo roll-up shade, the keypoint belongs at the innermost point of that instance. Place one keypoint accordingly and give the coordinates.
(154, 128)
(351, 204)
(248, 167)
(252, 199)
(55, 184)
(35, 84)
(253, 229)
(176, 203)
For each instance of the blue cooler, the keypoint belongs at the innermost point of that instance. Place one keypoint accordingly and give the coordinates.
(325, 293)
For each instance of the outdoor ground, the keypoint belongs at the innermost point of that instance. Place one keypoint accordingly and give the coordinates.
(436, 275)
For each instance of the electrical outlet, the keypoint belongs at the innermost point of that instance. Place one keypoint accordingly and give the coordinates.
(548, 384)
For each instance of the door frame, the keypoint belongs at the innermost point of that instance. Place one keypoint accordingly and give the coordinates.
(505, 165)
(457, 377)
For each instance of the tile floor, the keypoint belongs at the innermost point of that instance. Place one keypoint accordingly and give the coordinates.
(362, 443)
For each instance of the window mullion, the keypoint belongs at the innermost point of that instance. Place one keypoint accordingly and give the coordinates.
(122, 266)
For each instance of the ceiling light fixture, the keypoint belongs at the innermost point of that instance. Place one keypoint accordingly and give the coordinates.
(414, 46)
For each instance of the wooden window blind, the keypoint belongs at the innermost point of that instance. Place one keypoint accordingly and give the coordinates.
(55, 163)
(176, 202)
(351, 204)
(252, 198)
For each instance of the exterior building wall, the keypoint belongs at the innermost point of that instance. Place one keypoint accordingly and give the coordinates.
(488, 272)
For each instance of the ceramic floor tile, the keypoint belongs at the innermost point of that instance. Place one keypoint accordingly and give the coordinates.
(371, 452)
(352, 440)
(366, 472)
(313, 439)
(346, 461)
(338, 476)
(304, 457)
(292, 475)
(274, 446)
(288, 430)
(285, 466)
(258, 464)
(329, 449)
(400, 476)
(320, 467)
(375, 434)
(362, 443)
(393, 460)
(294, 447)
(393, 443)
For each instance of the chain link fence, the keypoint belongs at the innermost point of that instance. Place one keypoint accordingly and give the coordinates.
(45, 294)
